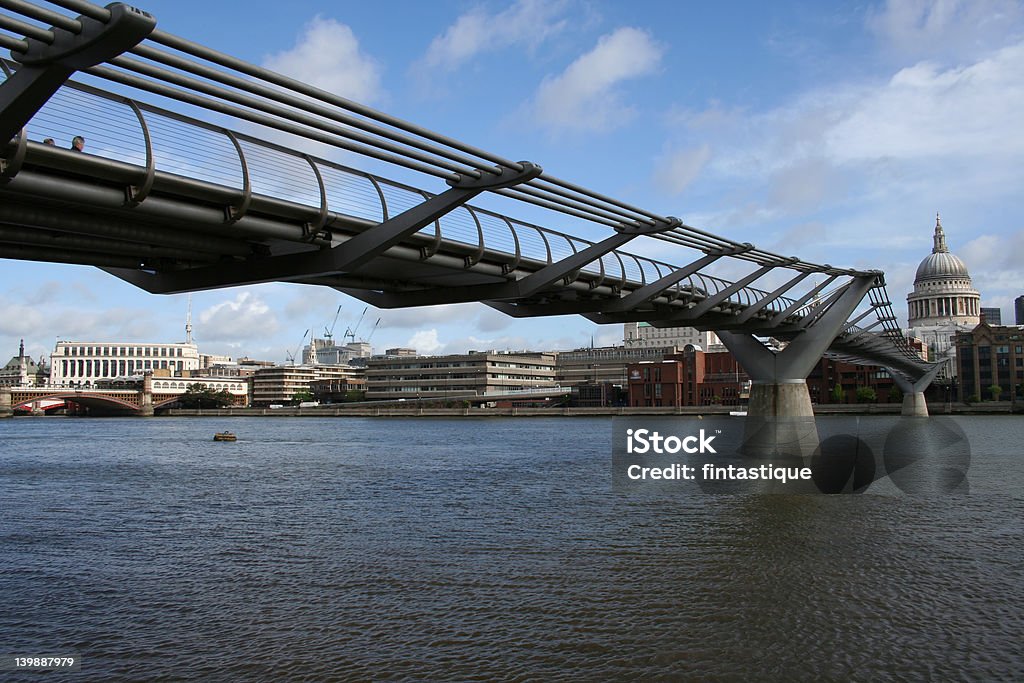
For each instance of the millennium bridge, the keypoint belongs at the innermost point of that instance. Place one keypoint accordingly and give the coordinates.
(195, 194)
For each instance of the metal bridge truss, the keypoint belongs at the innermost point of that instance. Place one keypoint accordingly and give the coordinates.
(171, 203)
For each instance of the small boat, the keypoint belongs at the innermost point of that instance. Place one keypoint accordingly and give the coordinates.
(225, 436)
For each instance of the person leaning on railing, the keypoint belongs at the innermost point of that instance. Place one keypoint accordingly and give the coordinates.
(78, 143)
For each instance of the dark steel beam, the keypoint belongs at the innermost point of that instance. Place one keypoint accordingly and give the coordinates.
(348, 256)
(753, 310)
(75, 221)
(648, 292)
(60, 241)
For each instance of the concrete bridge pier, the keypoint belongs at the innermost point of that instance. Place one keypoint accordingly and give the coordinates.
(780, 418)
(6, 403)
(914, 404)
(146, 396)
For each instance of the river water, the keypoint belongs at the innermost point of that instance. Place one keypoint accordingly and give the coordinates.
(483, 549)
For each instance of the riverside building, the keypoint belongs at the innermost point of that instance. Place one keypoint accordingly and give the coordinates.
(476, 373)
(991, 356)
(280, 384)
(645, 335)
(598, 376)
(85, 363)
(22, 371)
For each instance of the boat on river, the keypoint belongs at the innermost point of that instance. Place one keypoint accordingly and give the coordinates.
(225, 436)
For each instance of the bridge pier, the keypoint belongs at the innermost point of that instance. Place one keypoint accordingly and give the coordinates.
(146, 396)
(914, 404)
(780, 418)
(5, 402)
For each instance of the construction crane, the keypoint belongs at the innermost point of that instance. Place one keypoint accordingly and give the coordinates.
(291, 356)
(329, 331)
(370, 336)
(350, 333)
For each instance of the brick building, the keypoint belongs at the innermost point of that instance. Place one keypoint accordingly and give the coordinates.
(988, 356)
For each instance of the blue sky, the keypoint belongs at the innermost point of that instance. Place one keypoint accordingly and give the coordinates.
(830, 130)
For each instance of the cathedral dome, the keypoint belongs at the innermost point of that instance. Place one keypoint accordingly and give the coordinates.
(943, 297)
(941, 264)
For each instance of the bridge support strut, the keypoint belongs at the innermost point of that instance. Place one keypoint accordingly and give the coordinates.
(914, 404)
(780, 418)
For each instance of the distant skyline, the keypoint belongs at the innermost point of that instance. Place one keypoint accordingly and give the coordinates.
(834, 131)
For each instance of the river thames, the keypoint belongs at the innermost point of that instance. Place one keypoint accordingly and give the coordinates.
(484, 549)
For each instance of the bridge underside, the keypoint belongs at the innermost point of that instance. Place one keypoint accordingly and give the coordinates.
(178, 240)
(93, 405)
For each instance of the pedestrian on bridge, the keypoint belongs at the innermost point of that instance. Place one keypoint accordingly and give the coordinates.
(78, 143)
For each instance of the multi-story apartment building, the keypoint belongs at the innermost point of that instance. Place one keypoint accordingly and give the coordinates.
(279, 384)
(476, 373)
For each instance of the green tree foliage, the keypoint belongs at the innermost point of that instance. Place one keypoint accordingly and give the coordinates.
(866, 395)
(300, 396)
(201, 396)
(837, 393)
(995, 390)
(895, 395)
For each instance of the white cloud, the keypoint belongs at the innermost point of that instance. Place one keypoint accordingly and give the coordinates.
(995, 264)
(936, 28)
(327, 55)
(927, 131)
(525, 22)
(240, 320)
(681, 167)
(585, 96)
(425, 342)
(925, 112)
(18, 319)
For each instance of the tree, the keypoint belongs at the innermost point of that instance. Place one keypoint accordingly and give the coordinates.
(837, 393)
(301, 396)
(866, 395)
(201, 396)
(895, 395)
(995, 390)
